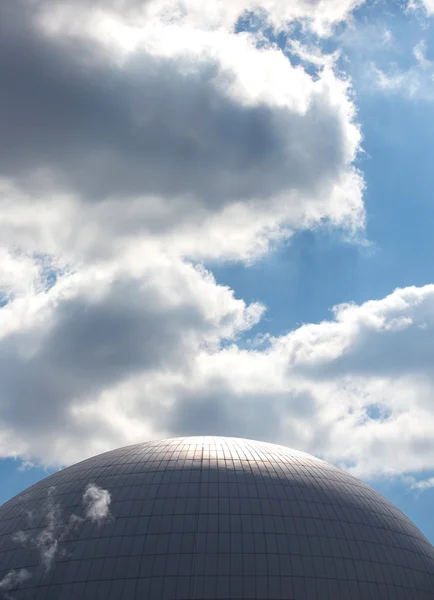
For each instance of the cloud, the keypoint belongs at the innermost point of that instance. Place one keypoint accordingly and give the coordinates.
(93, 330)
(192, 130)
(355, 390)
(426, 5)
(130, 15)
(415, 81)
(12, 580)
(423, 485)
(419, 52)
(47, 540)
(96, 501)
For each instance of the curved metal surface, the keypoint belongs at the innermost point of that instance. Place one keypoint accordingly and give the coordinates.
(210, 517)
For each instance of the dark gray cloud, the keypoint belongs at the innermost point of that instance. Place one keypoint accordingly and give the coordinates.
(89, 346)
(218, 410)
(11, 581)
(386, 353)
(151, 126)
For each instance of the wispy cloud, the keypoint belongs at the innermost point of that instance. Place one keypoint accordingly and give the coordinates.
(11, 581)
(415, 81)
(96, 502)
(423, 485)
(419, 52)
(47, 540)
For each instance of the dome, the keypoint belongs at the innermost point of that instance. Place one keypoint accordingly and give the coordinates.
(209, 518)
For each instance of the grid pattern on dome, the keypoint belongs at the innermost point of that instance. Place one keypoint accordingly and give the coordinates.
(217, 518)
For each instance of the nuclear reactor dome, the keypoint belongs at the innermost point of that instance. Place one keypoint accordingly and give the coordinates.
(209, 518)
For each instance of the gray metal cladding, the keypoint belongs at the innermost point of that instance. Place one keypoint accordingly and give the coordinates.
(210, 518)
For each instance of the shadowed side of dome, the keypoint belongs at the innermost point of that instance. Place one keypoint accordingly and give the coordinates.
(209, 517)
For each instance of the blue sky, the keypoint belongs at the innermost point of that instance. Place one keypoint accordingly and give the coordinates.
(142, 180)
(316, 270)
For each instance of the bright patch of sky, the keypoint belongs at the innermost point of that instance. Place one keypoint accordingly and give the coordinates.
(191, 144)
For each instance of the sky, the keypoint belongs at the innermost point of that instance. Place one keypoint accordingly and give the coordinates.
(216, 218)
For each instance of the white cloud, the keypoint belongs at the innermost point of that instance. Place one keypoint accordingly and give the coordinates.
(19, 274)
(96, 502)
(425, 5)
(423, 484)
(120, 20)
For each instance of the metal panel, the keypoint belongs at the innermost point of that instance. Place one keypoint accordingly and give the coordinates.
(217, 518)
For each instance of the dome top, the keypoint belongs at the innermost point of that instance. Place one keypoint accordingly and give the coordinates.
(209, 517)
